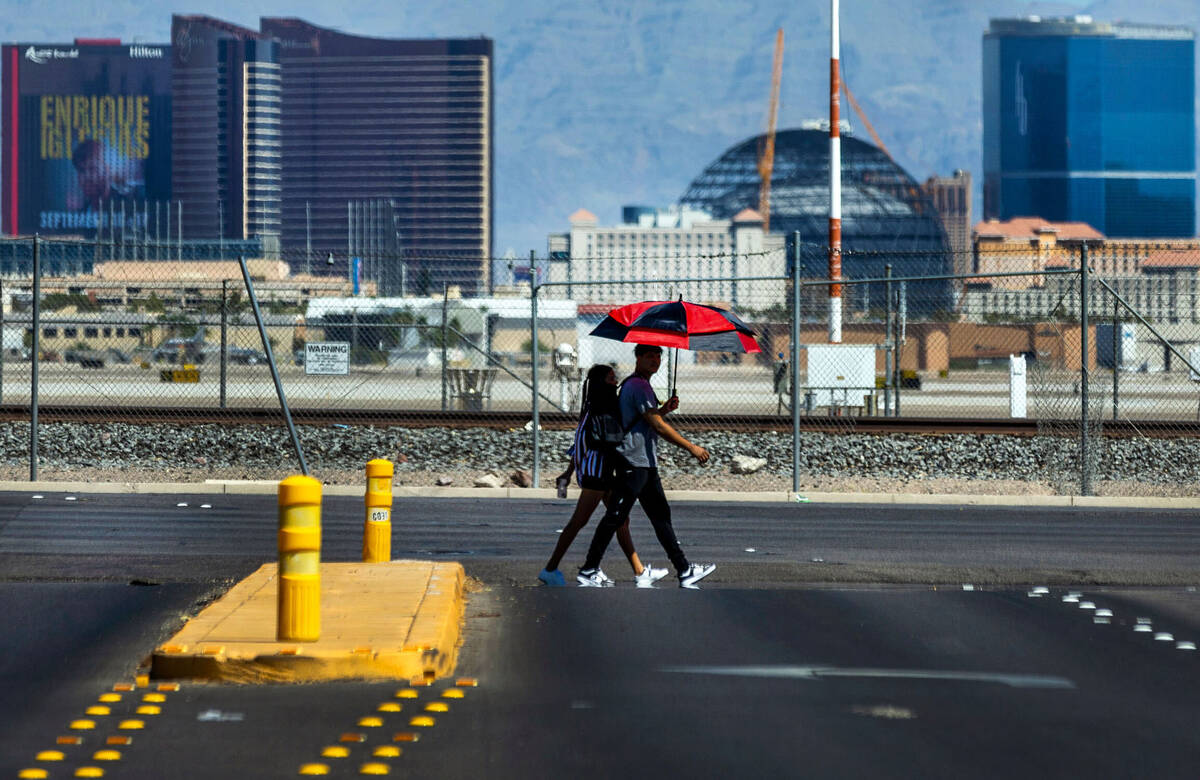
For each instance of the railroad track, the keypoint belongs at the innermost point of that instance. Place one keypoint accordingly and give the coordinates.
(95, 415)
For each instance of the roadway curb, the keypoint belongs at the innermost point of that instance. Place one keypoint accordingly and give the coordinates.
(266, 487)
(396, 620)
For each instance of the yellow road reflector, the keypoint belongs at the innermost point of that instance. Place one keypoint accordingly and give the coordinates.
(123, 687)
(420, 682)
(98, 709)
(336, 751)
(437, 706)
(387, 751)
(131, 725)
(110, 697)
(142, 680)
(149, 709)
(452, 693)
(171, 649)
(69, 740)
(350, 736)
(168, 687)
(370, 722)
(154, 697)
(314, 769)
(106, 755)
(424, 721)
(406, 736)
(374, 768)
(120, 740)
(50, 755)
(406, 693)
(389, 706)
(362, 650)
(467, 682)
(82, 725)
(89, 771)
(213, 649)
(32, 774)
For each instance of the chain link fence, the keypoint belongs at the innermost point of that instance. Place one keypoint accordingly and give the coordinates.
(376, 345)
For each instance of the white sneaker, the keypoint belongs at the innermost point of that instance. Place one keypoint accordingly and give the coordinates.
(607, 580)
(591, 578)
(694, 573)
(649, 576)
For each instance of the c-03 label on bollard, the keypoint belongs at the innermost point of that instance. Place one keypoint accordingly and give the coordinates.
(380, 516)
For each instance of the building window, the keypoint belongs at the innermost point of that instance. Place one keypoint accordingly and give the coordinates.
(70, 333)
(135, 333)
(91, 333)
(107, 332)
(50, 333)
(120, 332)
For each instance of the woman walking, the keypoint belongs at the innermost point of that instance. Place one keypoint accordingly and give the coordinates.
(594, 472)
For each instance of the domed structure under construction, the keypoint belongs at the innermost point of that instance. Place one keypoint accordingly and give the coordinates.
(886, 218)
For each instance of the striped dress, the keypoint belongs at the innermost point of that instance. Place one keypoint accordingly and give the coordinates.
(588, 462)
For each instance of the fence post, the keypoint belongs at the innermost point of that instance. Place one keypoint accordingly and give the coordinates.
(1085, 466)
(34, 360)
(533, 348)
(1116, 343)
(888, 411)
(795, 358)
(266, 342)
(224, 334)
(1, 342)
(445, 306)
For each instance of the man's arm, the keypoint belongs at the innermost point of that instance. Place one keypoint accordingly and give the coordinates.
(654, 419)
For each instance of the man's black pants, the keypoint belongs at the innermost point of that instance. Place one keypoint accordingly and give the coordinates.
(630, 484)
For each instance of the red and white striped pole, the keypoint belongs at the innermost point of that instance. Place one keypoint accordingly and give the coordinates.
(835, 182)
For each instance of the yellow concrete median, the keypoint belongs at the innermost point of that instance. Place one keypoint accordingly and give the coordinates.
(397, 620)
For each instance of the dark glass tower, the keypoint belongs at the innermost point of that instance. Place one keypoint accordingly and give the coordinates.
(387, 155)
(226, 164)
(1090, 122)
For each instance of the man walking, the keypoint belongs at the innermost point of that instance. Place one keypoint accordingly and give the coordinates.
(637, 473)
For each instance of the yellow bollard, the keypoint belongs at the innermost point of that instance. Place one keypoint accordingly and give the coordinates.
(377, 530)
(299, 603)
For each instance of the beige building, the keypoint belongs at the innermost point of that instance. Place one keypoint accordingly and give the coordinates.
(661, 251)
(951, 196)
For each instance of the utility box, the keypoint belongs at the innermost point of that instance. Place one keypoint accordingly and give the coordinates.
(1126, 358)
(840, 374)
(1016, 386)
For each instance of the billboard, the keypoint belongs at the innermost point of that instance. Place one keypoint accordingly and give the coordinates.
(87, 137)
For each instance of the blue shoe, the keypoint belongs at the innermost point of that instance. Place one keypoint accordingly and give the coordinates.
(552, 578)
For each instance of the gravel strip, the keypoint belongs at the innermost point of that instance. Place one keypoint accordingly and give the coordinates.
(120, 452)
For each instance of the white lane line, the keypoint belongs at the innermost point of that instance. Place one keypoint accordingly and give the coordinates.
(819, 672)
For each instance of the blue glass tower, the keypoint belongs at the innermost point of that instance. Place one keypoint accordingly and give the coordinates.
(1091, 122)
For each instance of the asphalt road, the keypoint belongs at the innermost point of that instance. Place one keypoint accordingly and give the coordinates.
(779, 667)
(189, 538)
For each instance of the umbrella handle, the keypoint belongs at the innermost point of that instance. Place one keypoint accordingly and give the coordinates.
(675, 371)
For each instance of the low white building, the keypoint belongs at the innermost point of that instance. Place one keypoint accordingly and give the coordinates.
(655, 252)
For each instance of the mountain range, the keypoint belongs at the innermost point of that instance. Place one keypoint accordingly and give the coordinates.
(611, 102)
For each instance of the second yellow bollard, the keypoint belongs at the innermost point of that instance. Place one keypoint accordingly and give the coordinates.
(298, 616)
(377, 530)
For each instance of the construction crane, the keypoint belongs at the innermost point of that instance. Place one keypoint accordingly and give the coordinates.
(766, 155)
(863, 116)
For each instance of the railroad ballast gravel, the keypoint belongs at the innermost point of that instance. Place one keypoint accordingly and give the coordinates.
(253, 451)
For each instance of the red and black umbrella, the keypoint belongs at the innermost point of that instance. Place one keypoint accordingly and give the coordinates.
(680, 324)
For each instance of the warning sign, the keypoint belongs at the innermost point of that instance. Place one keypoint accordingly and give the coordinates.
(327, 357)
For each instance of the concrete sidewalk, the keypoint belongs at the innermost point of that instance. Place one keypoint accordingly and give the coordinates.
(396, 620)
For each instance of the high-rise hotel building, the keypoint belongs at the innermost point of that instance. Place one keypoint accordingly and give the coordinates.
(387, 154)
(226, 159)
(1091, 122)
